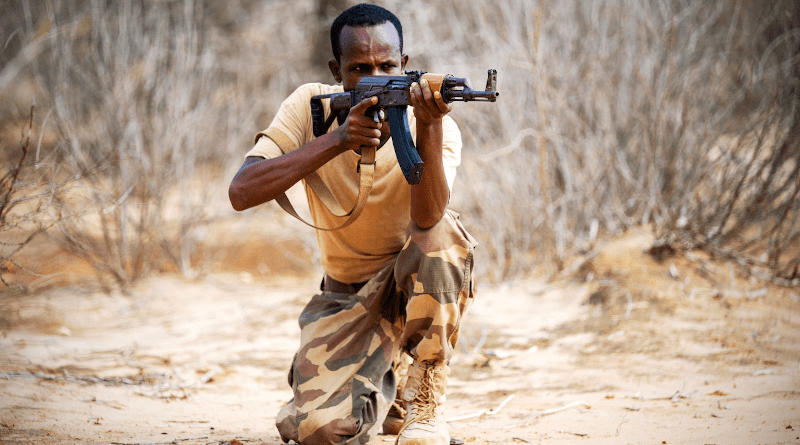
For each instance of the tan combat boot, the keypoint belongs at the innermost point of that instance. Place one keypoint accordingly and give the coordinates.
(424, 396)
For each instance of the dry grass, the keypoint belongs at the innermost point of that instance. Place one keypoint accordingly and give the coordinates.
(613, 114)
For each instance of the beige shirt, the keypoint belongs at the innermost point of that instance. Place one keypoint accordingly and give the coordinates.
(357, 252)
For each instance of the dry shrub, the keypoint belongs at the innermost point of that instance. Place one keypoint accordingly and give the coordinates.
(20, 209)
(613, 114)
(152, 104)
(29, 204)
(132, 85)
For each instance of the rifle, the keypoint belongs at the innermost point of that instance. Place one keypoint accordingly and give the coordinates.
(393, 96)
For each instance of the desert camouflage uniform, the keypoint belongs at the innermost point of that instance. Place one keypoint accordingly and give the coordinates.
(342, 375)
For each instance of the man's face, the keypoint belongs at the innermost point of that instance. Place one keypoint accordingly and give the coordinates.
(368, 51)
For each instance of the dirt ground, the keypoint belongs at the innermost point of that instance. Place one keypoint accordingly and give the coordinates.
(623, 349)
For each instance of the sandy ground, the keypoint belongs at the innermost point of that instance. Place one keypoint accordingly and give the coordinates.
(622, 350)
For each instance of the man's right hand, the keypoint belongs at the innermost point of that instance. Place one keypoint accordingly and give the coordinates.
(260, 181)
(359, 130)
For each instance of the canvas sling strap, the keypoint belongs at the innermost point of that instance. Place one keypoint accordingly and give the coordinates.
(366, 168)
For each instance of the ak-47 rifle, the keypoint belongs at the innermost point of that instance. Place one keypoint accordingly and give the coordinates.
(393, 97)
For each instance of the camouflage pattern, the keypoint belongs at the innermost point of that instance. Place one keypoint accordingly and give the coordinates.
(343, 375)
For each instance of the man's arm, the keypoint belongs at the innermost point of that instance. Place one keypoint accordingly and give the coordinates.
(429, 198)
(262, 180)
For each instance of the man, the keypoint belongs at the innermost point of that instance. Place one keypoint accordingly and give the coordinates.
(397, 280)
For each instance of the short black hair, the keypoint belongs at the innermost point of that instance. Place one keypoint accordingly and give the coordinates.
(361, 16)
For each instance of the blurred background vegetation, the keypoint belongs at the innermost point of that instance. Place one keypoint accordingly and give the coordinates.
(680, 115)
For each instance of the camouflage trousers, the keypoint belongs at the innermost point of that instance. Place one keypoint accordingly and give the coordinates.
(343, 375)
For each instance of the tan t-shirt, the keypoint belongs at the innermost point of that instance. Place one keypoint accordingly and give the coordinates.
(357, 252)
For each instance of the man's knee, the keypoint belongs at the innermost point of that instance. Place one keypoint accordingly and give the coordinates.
(286, 421)
(443, 235)
(329, 431)
(435, 260)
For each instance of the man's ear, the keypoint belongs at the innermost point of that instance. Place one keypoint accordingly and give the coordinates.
(403, 61)
(336, 70)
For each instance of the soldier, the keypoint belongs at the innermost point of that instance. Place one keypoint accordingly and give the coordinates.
(397, 280)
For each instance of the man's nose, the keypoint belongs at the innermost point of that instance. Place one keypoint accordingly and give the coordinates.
(375, 71)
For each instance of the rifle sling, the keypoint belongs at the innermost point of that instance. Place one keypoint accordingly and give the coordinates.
(365, 181)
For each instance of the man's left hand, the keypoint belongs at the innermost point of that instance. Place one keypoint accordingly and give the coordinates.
(429, 106)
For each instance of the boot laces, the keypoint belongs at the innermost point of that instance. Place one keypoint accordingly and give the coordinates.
(423, 406)
(398, 410)
(425, 402)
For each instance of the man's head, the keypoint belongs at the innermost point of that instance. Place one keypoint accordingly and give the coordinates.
(366, 40)
(360, 16)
